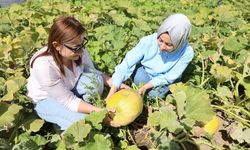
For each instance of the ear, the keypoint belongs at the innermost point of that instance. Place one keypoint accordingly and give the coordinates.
(56, 45)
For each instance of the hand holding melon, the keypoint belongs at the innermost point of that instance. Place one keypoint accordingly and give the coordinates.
(127, 105)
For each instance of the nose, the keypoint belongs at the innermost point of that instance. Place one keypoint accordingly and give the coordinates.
(162, 46)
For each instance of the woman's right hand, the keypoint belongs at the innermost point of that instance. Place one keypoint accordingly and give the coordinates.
(108, 120)
(112, 90)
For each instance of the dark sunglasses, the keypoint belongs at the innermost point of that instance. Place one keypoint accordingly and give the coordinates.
(77, 49)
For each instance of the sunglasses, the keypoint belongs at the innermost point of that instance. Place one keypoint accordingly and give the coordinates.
(77, 49)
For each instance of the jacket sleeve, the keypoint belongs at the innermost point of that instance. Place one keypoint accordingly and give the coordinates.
(175, 72)
(126, 68)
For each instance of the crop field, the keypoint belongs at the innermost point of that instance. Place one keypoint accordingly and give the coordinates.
(209, 109)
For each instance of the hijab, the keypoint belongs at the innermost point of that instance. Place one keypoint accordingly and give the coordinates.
(178, 27)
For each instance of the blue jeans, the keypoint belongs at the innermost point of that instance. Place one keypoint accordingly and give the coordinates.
(141, 76)
(52, 111)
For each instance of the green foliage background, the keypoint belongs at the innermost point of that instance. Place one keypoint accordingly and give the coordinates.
(219, 73)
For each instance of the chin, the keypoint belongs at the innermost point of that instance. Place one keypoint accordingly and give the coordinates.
(166, 50)
(75, 57)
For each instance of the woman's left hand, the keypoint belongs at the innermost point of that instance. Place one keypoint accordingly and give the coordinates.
(124, 86)
(142, 90)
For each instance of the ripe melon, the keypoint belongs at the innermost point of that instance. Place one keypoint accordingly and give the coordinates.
(212, 126)
(128, 105)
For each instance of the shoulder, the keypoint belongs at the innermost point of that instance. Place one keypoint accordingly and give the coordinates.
(189, 51)
(43, 60)
(149, 41)
(151, 37)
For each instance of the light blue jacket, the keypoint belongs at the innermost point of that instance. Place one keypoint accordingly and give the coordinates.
(162, 67)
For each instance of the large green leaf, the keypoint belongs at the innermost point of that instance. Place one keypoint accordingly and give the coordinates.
(119, 19)
(180, 98)
(233, 44)
(246, 70)
(79, 130)
(198, 105)
(13, 85)
(96, 119)
(8, 114)
(224, 92)
(165, 118)
(193, 103)
(100, 142)
(33, 125)
(221, 73)
(246, 84)
(225, 13)
(26, 141)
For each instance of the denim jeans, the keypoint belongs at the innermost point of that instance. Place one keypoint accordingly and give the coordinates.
(52, 111)
(141, 76)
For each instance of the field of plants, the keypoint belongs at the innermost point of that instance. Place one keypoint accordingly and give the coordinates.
(216, 83)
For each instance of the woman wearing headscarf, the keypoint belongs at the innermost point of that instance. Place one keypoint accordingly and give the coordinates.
(162, 57)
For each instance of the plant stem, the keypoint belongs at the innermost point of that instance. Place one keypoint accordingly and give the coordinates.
(203, 71)
(129, 134)
(202, 83)
(231, 82)
(199, 141)
(242, 110)
(236, 92)
(242, 120)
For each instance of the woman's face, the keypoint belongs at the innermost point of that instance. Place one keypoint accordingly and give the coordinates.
(72, 50)
(165, 43)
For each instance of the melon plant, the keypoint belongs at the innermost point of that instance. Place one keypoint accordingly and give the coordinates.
(128, 105)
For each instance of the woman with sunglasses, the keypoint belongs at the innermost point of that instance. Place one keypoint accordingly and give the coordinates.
(158, 60)
(62, 76)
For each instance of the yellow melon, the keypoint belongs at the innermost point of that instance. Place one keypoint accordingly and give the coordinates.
(212, 126)
(128, 105)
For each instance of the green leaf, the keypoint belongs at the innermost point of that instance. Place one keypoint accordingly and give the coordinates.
(100, 142)
(224, 92)
(79, 130)
(143, 25)
(180, 102)
(4, 144)
(233, 44)
(13, 85)
(207, 54)
(246, 70)
(132, 147)
(225, 13)
(39, 140)
(198, 105)
(119, 19)
(61, 145)
(221, 73)
(164, 118)
(8, 114)
(96, 119)
(194, 103)
(42, 32)
(246, 83)
(198, 19)
(34, 125)
(26, 141)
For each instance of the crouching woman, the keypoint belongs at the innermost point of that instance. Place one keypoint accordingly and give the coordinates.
(61, 74)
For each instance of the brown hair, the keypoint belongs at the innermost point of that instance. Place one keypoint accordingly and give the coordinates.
(64, 29)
